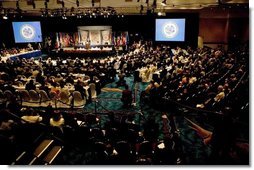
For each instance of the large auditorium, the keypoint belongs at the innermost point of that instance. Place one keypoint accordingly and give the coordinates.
(124, 82)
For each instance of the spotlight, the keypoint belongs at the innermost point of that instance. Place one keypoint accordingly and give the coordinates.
(164, 3)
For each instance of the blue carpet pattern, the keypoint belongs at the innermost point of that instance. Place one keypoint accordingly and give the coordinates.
(194, 151)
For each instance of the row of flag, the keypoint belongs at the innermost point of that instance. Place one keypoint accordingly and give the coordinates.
(72, 39)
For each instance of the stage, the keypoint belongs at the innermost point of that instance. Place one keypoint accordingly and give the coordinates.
(93, 52)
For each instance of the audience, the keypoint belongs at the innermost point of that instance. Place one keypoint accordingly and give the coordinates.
(197, 79)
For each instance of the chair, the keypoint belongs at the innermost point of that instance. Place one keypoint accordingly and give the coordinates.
(8, 95)
(44, 96)
(100, 147)
(145, 148)
(93, 90)
(97, 134)
(91, 119)
(35, 97)
(64, 100)
(2, 98)
(123, 148)
(25, 97)
(52, 95)
(45, 100)
(78, 101)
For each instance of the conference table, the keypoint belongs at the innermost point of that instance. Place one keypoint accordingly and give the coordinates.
(27, 55)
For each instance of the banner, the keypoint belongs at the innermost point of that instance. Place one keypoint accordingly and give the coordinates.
(95, 37)
(106, 37)
(83, 37)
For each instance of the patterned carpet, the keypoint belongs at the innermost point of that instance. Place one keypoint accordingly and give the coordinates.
(194, 151)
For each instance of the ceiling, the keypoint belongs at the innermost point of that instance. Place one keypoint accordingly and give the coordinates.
(36, 7)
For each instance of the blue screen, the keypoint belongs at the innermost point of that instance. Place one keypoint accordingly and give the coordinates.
(170, 30)
(25, 32)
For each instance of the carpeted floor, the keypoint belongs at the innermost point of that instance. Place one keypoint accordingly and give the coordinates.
(194, 151)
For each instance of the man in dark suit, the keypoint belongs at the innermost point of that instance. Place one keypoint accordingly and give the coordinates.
(79, 87)
(126, 97)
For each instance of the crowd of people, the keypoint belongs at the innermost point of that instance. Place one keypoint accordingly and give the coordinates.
(204, 79)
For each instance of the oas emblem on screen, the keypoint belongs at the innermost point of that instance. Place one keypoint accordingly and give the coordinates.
(27, 31)
(170, 29)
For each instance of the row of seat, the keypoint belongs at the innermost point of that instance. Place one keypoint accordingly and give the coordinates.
(33, 98)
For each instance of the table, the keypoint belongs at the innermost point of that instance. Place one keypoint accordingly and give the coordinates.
(26, 55)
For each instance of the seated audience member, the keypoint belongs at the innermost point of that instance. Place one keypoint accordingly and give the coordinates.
(69, 79)
(126, 97)
(13, 105)
(39, 78)
(79, 87)
(57, 119)
(8, 86)
(44, 87)
(30, 85)
(31, 116)
(55, 88)
(220, 94)
(6, 124)
(151, 86)
(121, 81)
(64, 89)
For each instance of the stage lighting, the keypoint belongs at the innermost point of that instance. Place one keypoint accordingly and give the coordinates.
(77, 3)
(93, 3)
(164, 3)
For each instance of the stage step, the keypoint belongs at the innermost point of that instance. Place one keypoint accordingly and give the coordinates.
(41, 149)
(53, 153)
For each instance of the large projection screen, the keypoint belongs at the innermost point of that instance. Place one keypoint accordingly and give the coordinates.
(26, 32)
(170, 30)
